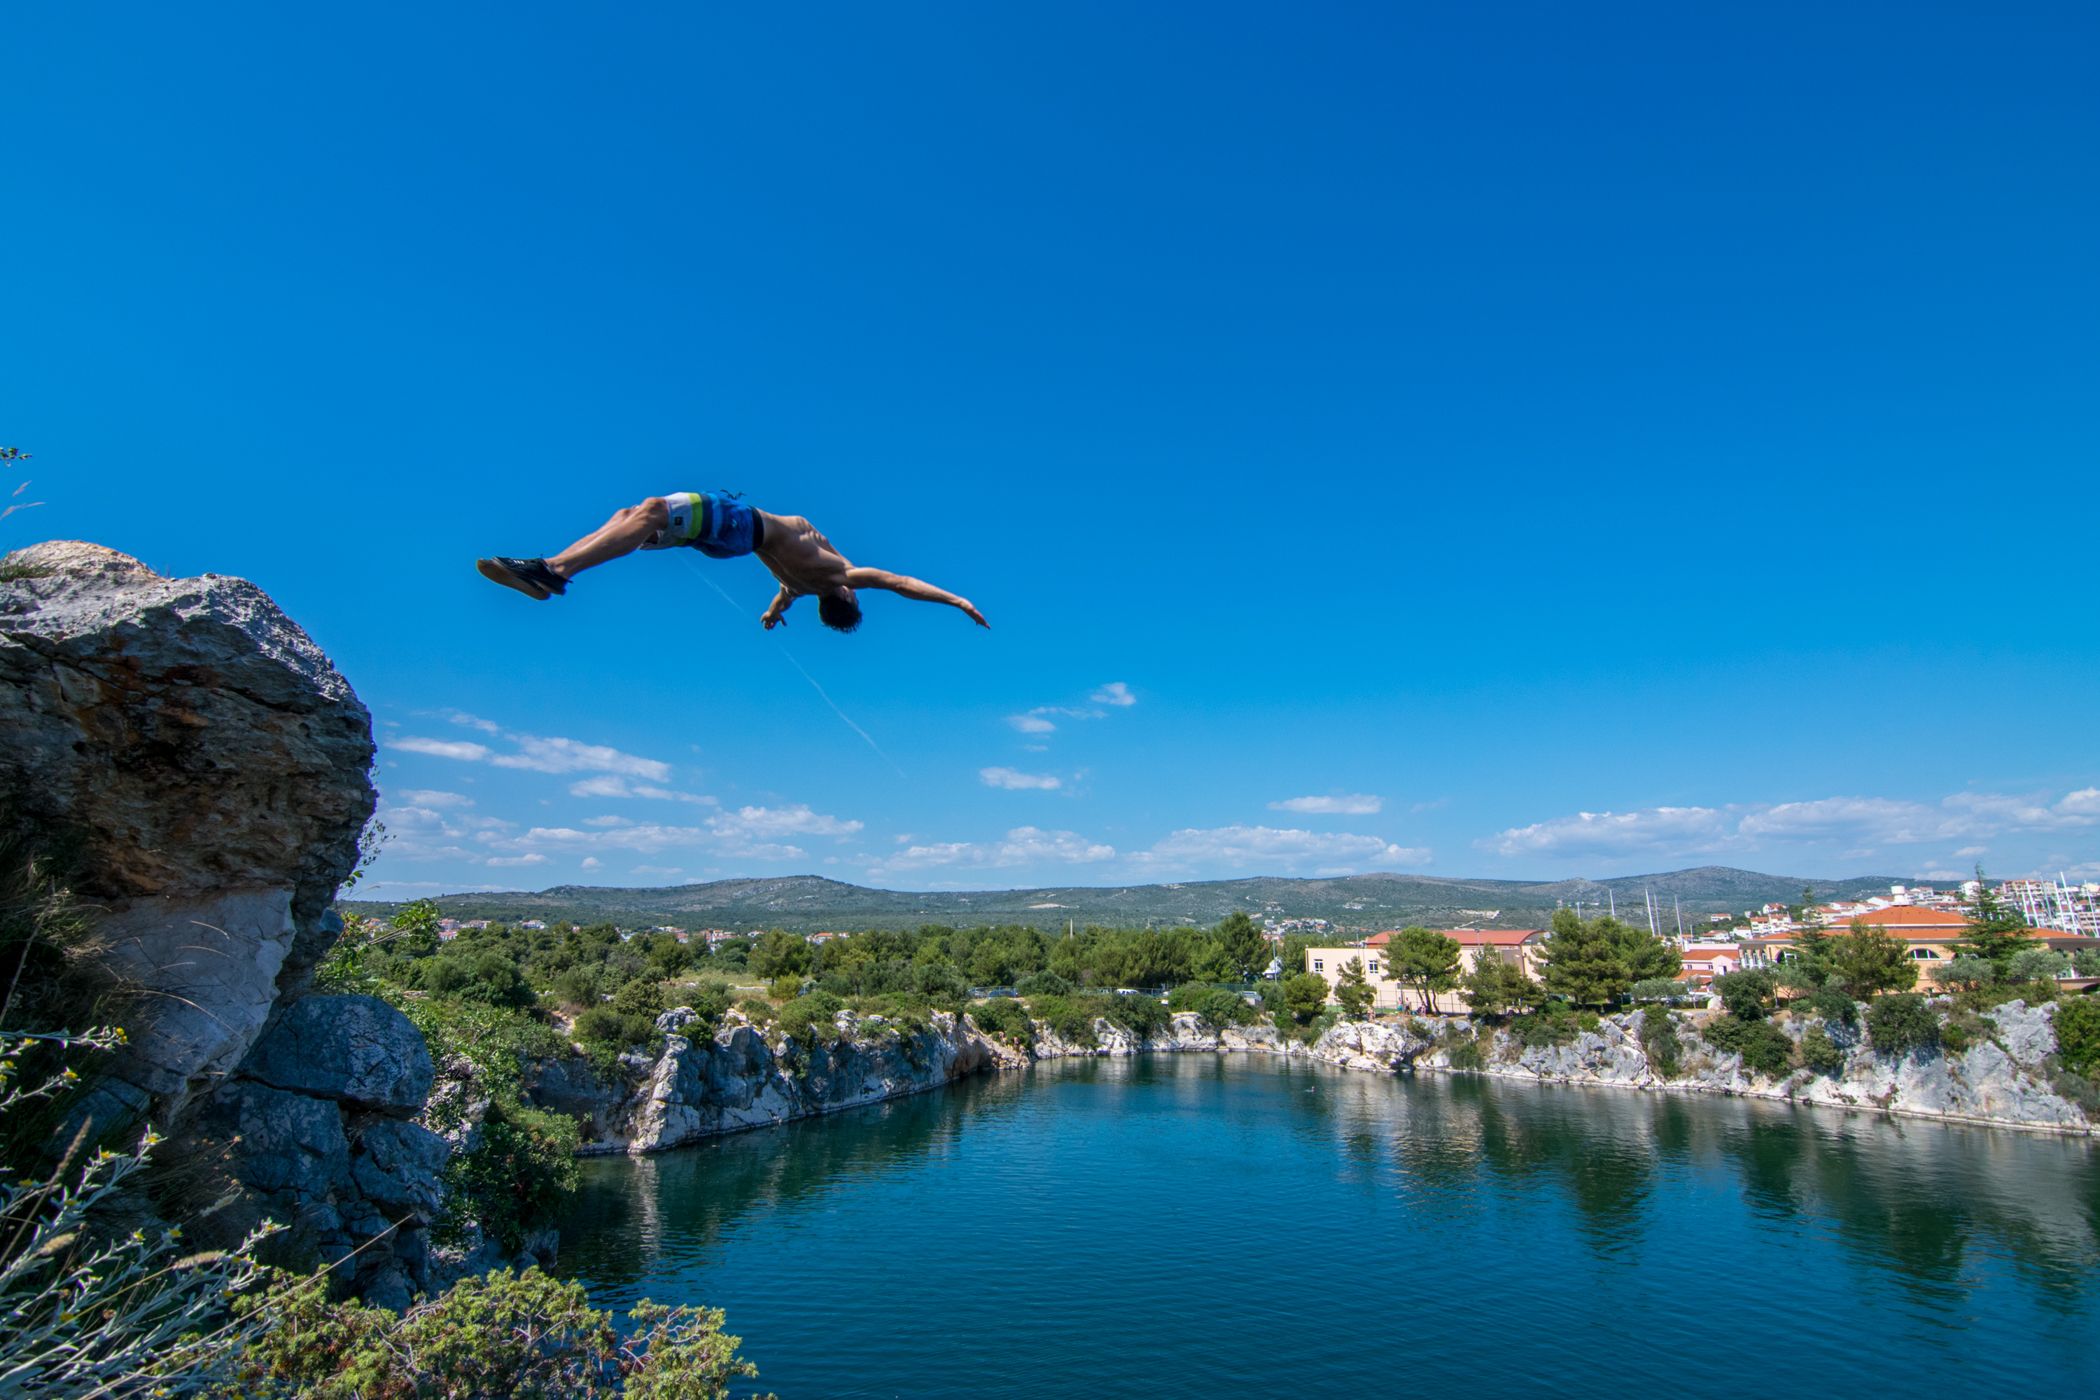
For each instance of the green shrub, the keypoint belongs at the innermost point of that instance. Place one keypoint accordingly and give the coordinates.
(101, 1312)
(757, 1010)
(1962, 1029)
(1005, 1018)
(1659, 1040)
(1748, 995)
(811, 1018)
(1142, 1016)
(1218, 1007)
(1462, 1047)
(1834, 1004)
(1045, 984)
(1764, 1047)
(786, 988)
(505, 1334)
(644, 996)
(2078, 1035)
(604, 1029)
(1071, 1018)
(1819, 1052)
(1553, 1023)
(1657, 989)
(1902, 1022)
(516, 1178)
(1301, 996)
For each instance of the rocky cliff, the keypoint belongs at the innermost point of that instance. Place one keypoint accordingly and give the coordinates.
(742, 1076)
(203, 770)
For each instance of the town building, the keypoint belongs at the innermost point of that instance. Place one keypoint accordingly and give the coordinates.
(1521, 946)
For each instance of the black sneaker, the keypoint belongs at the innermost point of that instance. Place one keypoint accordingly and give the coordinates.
(530, 577)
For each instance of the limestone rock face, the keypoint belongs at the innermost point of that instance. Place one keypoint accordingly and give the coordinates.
(355, 1049)
(204, 769)
(205, 766)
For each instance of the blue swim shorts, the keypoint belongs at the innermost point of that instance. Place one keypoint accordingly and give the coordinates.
(716, 525)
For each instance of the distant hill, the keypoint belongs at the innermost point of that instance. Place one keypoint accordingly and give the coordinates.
(805, 903)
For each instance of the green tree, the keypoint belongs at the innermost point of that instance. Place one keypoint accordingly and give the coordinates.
(1750, 994)
(1584, 959)
(1997, 931)
(1647, 957)
(1353, 992)
(1425, 960)
(2077, 1024)
(1496, 986)
(780, 954)
(1902, 1022)
(1304, 996)
(1866, 962)
(1243, 944)
(2039, 964)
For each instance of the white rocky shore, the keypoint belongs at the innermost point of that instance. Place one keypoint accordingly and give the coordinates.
(745, 1076)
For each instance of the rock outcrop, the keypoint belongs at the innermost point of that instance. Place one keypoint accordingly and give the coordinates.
(709, 1081)
(204, 767)
(205, 771)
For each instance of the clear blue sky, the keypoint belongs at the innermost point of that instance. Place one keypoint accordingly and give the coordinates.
(1511, 439)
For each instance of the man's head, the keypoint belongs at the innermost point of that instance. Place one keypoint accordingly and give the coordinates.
(839, 609)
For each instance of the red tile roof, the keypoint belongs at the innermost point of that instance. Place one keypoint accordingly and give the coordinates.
(1903, 916)
(1470, 937)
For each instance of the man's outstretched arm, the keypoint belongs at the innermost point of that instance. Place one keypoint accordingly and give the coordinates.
(776, 611)
(904, 585)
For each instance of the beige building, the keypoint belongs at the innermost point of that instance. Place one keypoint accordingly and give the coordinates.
(1518, 945)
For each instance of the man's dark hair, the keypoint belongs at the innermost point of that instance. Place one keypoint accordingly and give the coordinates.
(839, 614)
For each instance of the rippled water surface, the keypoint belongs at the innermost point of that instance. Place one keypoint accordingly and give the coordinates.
(1220, 1227)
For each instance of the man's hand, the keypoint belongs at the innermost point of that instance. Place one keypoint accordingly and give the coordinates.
(776, 611)
(771, 619)
(974, 615)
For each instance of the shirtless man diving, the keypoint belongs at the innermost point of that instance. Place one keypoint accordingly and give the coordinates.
(722, 527)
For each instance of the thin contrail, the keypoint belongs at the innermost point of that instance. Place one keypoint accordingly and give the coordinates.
(790, 658)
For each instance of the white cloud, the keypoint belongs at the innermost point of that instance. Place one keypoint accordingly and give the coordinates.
(444, 748)
(1280, 849)
(1024, 845)
(529, 858)
(797, 820)
(1347, 804)
(592, 863)
(537, 754)
(1030, 723)
(1853, 826)
(1970, 852)
(1014, 781)
(574, 756)
(612, 785)
(430, 798)
(486, 726)
(1617, 833)
(1114, 693)
(608, 820)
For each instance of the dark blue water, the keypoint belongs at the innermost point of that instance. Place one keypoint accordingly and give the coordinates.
(1221, 1227)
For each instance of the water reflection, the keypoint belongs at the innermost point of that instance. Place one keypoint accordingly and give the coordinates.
(1095, 1203)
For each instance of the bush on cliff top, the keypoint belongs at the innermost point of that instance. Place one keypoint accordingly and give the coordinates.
(2078, 1034)
(506, 1334)
(1902, 1023)
(1765, 1048)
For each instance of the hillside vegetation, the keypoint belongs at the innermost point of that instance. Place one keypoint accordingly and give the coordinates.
(808, 903)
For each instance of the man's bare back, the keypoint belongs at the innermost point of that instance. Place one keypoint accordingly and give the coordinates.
(795, 552)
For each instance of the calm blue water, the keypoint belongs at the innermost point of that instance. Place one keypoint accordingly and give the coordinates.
(1214, 1227)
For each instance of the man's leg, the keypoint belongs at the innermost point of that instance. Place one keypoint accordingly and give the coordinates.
(627, 531)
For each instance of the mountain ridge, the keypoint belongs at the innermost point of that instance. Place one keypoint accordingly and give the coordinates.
(806, 903)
